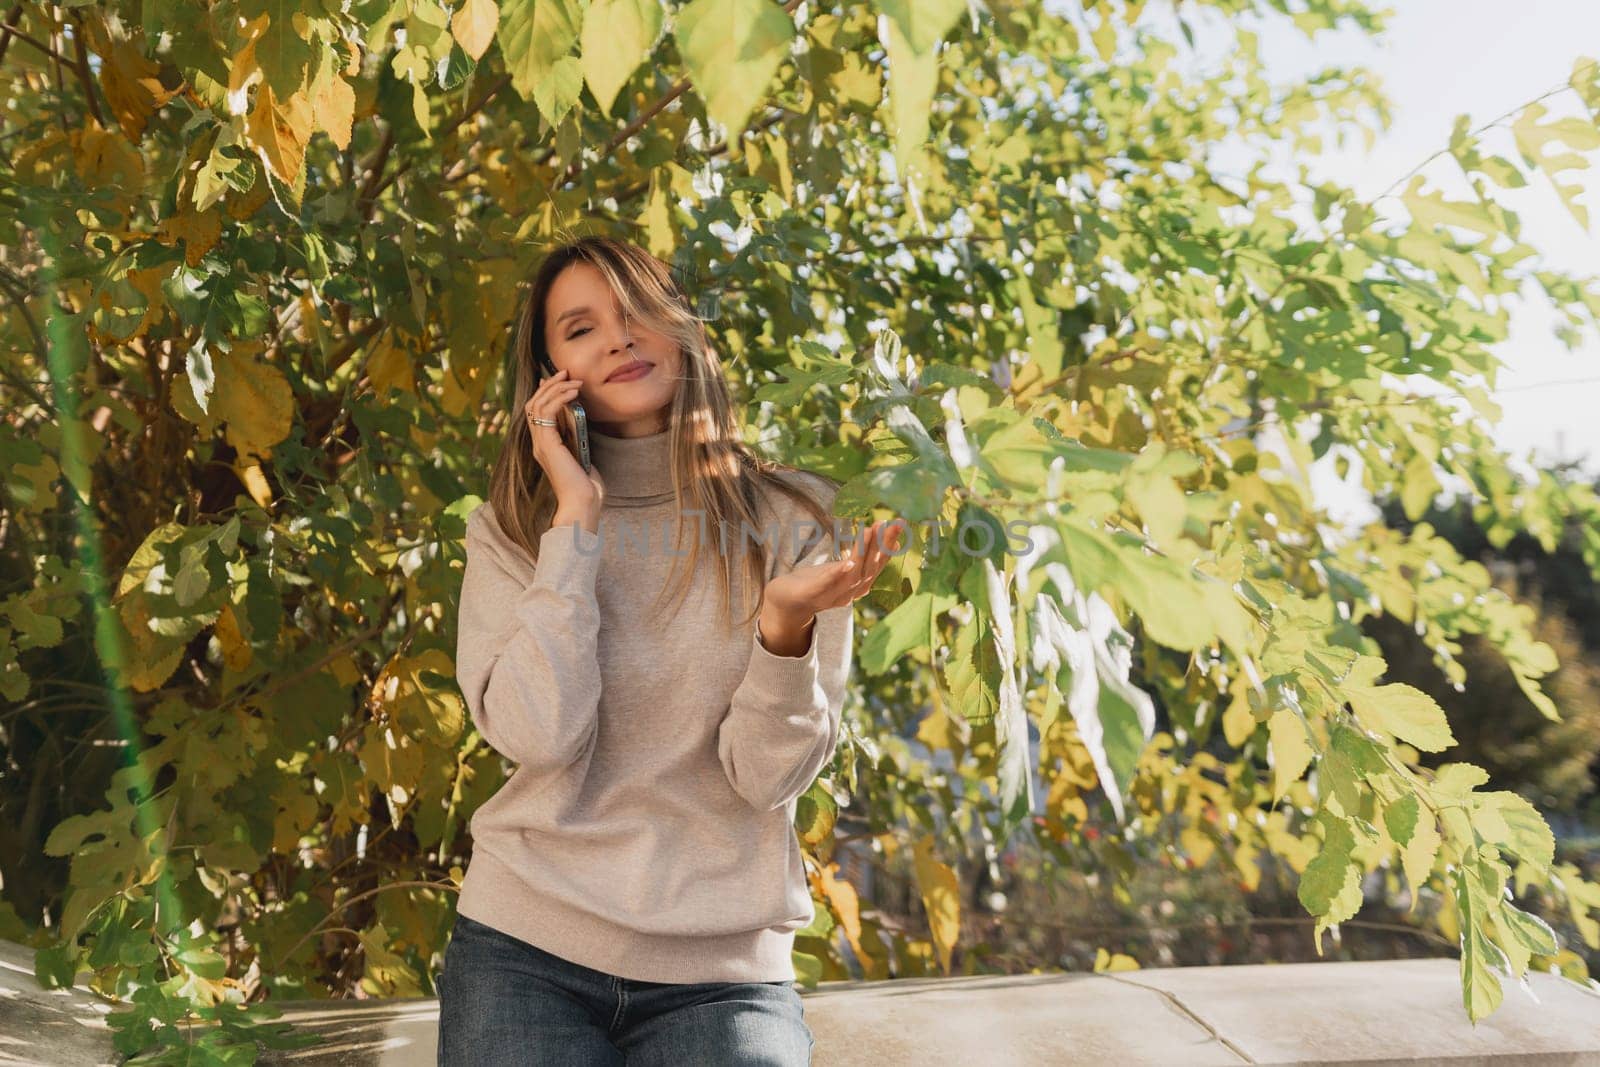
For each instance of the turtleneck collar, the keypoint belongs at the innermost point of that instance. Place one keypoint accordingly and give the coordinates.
(634, 469)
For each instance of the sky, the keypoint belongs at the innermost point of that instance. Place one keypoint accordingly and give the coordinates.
(1439, 59)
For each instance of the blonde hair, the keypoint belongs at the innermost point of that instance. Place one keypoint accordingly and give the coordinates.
(713, 470)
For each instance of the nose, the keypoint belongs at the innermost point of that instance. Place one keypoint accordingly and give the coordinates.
(627, 337)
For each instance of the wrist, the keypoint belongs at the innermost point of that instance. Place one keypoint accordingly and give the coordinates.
(785, 633)
(567, 518)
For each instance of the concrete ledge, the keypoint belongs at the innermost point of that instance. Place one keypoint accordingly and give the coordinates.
(1388, 1012)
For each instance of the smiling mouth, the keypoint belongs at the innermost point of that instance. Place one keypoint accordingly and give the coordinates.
(632, 371)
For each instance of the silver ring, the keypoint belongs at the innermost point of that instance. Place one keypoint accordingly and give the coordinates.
(541, 422)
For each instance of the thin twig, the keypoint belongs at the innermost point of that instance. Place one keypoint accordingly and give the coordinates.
(354, 900)
(11, 31)
(84, 75)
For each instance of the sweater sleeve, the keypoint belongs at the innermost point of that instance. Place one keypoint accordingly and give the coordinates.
(782, 724)
(527, 654)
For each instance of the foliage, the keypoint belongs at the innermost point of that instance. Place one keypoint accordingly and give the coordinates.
(1551, 762)
(973, 260)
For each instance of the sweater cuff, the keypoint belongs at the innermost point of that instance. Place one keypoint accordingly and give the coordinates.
(782, 674)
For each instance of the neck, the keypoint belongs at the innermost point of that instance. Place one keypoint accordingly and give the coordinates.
(635, 467)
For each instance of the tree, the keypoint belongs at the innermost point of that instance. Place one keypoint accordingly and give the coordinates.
(973, 260)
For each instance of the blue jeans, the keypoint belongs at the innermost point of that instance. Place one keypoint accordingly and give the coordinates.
(505, 1001)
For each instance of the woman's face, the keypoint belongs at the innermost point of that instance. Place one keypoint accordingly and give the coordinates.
(586, 336)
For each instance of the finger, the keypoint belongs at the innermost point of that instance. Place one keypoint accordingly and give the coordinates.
(553, 383)
(861, 544)
(860, 568)
(554, 399)
(557, 387)
(897, 534)
(871, 549)
(879, 556)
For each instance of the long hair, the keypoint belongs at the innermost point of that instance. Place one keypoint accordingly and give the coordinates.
(713, 470)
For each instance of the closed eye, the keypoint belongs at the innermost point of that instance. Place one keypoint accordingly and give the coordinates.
(578, 334)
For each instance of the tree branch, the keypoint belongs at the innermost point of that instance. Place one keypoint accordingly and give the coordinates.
(81, 50)
(377, 184)
(10, 31)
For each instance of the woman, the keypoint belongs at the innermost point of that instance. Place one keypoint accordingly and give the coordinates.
(635, 885)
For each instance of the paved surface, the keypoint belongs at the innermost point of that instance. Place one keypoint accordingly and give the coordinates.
(1392, 1012)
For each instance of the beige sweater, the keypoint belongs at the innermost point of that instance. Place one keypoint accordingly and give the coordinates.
(647, 830)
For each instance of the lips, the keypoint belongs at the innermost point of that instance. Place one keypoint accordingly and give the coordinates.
(630, 371)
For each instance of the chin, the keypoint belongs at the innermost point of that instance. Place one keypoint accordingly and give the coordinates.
(630, 408)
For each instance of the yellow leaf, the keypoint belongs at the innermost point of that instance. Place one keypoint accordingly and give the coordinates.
(333, 105)
(913, 76)
(389, 367)
(244, 69)
(1104, 36)
(255, 481)
(131, 81)
(857, 82)
(236, 651)
(1291, 753)
(1402, 711)
(280, 130)
(1113, 961)
(1238, 721)
(256, 402)
(198, 230)
(473, 26)
(423, 710)
(1198, 845)
(617, 36)
(1434, 210)
(105, 158)
(1418, 856)
(732, 49)
(841, 896)
(941, 899)
(296, 813)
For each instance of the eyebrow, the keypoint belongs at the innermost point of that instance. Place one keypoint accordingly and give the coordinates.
(570, 312)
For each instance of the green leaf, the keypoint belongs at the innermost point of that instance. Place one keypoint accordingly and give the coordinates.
(815, 812)
(1045, 342)
(282, 52)
(1532, 932)
(1330, 885)
(55, 965)
(1400, 818)
(972, 673)
(1165, 594)
(903, 629)
(1481, 958)
(732, 49)
(535, 38)
(1324, 876)
(807, 968)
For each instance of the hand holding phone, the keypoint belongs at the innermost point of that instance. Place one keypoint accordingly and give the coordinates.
(563, 450)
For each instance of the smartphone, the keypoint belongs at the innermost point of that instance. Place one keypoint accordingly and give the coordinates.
(574, 423)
